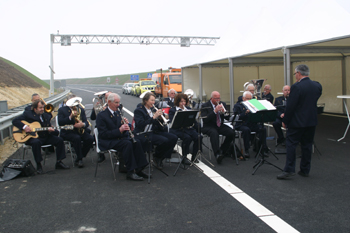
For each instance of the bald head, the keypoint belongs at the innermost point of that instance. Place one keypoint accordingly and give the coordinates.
(215, 97)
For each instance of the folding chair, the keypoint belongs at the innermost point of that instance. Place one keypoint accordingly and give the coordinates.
(66, 143)
(28, 147)
(110, 151)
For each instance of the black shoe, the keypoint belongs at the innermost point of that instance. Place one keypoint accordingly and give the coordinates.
(101, 157)
(144, 175)
(157, 163)
(246, 154)
(61, 165)
(79, 163)
(300, 173)
(185, 161)
(39, 169)
(285, 175)
(133, 176)
(219, 158)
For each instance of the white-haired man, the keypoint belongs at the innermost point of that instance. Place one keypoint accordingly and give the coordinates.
(266, 95)
(170, 99)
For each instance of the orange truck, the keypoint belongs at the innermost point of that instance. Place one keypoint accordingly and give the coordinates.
(166, 81)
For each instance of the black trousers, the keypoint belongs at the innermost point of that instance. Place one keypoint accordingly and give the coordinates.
(165, 143)
(277, 126)
(246, 134)
(132, 153)
(81, 143)
(36, 144)
(187, 136)
(214, 132)
(304, 136)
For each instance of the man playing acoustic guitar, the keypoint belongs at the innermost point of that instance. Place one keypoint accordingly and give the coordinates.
(37, 114)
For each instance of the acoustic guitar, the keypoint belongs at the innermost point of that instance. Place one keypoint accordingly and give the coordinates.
(22, 136)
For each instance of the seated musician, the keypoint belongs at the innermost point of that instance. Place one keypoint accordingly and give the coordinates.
(266, 95)
(36, 97)
(146, 114)
(213, 125)
(247, 127)
(171, 97)
(188, 135)
(113, 134)
(37, 114)
(73, 114)
(251, 89)
(280, 104)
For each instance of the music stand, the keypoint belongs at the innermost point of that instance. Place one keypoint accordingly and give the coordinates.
(147, 131)
(261, 117)
(183, 120)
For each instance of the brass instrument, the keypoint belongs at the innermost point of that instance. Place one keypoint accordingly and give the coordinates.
(131, 135)
(99, 101)
(218, 103)
(165, 121)
(190, 93)
(48, 107)
(73, 102)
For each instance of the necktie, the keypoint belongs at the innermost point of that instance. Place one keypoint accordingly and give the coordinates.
(218, 119)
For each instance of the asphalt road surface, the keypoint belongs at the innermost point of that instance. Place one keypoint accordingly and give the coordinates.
(222, 198)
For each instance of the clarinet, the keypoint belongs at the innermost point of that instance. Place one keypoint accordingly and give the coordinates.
(130, 133)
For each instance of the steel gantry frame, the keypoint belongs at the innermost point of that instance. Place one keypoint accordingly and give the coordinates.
(68, 40)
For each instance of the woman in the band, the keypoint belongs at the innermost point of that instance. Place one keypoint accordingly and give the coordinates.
(189, 135)
(165, 142)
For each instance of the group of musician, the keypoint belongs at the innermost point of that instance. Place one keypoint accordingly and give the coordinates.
(151, 129)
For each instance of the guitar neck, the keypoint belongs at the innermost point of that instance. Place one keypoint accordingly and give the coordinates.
(47, 128)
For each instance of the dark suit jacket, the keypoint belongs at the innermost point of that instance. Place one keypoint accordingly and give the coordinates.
(171, 104)
(268, 97)
(63, 119)
(142, 119)
(108, 129)
(30, 117)
(301, 109)
(279, 105)
(208, 111)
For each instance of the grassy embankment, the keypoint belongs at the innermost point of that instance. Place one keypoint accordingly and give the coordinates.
(26, 72)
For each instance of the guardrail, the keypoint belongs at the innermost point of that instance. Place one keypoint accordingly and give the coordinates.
(7, 117)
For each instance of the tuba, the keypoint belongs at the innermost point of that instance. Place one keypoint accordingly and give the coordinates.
(190, 93)
(98, 102)
(73, 103)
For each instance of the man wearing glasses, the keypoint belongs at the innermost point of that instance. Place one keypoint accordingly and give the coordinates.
(300, 118)
(213, 125)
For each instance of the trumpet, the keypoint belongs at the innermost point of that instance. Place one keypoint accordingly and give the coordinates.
(48, 107)
(165, 121)
(223, 108)
(130, 133)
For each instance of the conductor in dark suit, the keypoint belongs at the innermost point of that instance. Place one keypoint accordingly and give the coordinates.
(145, 114)
(112, 134)
(80, 137)
(280, 103)
(37, 114)
(300, 118)
(213, 125)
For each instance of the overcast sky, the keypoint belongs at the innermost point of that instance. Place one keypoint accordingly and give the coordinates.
(244, 27)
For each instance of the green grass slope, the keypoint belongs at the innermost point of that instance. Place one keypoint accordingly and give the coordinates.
(26, 72)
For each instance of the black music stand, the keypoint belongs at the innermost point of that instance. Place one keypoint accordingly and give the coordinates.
(199, 131)
(183, 120)
(261, 117)
(147, 131)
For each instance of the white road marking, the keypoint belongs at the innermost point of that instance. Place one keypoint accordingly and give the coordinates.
(255, 207)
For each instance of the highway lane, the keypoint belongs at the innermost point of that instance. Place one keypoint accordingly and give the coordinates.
(130, 102)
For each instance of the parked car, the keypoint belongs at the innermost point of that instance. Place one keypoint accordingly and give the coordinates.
(133, 89)
(124, 88)
(145, 85)
(128, 88)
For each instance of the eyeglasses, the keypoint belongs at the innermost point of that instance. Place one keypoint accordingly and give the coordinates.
(295, 73)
